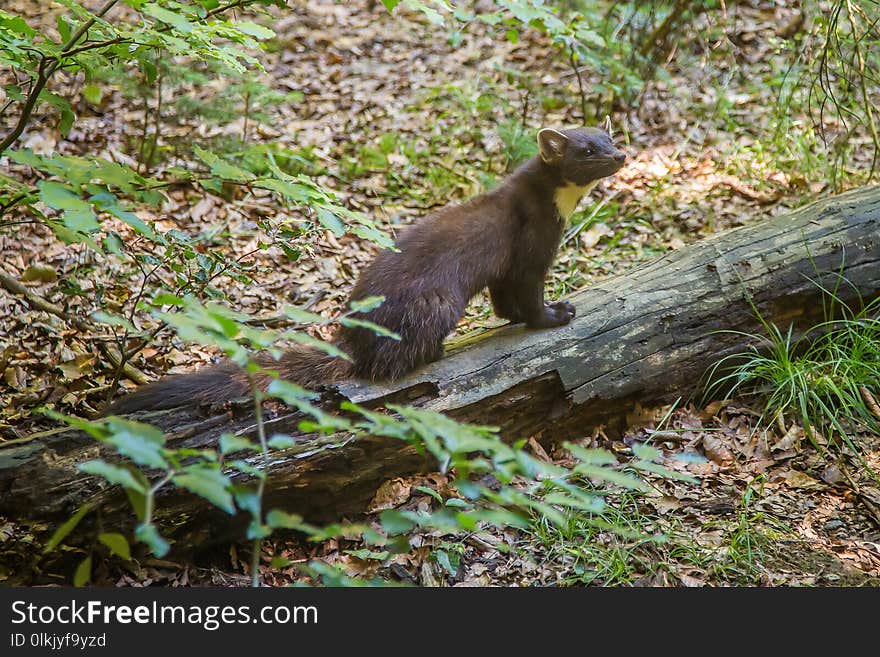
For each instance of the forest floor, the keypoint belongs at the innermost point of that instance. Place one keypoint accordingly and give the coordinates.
(398, 117)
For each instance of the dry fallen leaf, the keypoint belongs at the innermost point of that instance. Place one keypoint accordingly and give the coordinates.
(391, 493)
(40, 273)
(717, 451)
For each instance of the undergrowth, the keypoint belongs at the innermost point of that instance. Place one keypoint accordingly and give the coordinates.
(827, 378)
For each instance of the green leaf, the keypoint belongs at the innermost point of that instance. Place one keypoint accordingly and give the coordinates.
(63, 106)
(280, 441)
(114, 474)
(60, 196)
(327, 347)
(257, 31)
(591, 456)
(61, 533)
(93, 94)
(140, 442)
(281, 562)
(78, 214)
(117, 544)
(645, 452)
(256, 529)
(442, 558)
(396, 522)
(302, 316)
(149, 535)
(164, 299)
(81, 221)
(222, 168)
(83, 572)
(64, 29)
(366, 304)
(26, 156)
(647, 466)
(292, 191)
(230, 443)
(166, 16)
(375, 328)
(138, 500)
(282, 520)
(228, 325)
(431, 492)
(371, 234)
(246, 468)
(593, 504)
(209, 483)
(109, 203)
(390, 4)
(611, 476)
(17, 25)
(590, 38)
(429, 12)
(112, 319)
(330, 221)
(248, 499)
(369, 554)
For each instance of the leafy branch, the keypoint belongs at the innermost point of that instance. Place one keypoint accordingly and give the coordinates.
(48, 66)
(50, 62)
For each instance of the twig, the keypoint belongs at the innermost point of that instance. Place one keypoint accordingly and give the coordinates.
(158, 118)
(261, 485)
(661, 32)
(866, 96)
(12, 203)
(870, 401)
(870, 505)
(39, 303)
(525, 107)
(580, 85)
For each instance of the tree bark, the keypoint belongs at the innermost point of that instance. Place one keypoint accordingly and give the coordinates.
(646, 336)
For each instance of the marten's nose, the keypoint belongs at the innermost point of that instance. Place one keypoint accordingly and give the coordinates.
(620, 157)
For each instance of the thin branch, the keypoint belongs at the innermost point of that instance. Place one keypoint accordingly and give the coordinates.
(580, 85)
(94, 45)
(661, 32)
(866, 97)
(15, 200)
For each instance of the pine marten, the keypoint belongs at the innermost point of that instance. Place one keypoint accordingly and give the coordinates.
(504, 239)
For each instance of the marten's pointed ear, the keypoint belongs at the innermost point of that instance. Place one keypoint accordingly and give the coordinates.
(552, 144)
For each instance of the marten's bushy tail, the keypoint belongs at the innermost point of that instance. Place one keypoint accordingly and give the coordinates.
(225, 381)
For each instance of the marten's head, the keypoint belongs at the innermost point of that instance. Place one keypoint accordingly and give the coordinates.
(581, 155)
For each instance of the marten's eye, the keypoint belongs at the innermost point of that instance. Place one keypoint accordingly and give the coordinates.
(588, 152)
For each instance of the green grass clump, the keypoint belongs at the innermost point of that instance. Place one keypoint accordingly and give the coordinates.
(828, 379)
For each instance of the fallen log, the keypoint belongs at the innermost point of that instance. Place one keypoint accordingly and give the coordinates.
(645, 336)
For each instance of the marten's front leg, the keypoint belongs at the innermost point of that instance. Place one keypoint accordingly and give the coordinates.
(504, 302)
(536, 313)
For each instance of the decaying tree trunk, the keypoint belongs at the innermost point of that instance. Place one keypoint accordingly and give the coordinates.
(645, 336)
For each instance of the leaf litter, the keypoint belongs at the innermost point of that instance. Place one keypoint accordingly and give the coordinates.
(387, 105)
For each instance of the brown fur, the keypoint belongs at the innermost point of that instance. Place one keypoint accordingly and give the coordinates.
(504, 239)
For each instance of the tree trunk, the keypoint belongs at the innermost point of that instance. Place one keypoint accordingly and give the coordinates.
(645, 336)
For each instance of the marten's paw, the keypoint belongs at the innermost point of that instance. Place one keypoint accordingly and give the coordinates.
(564, 308)
(555, 314)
